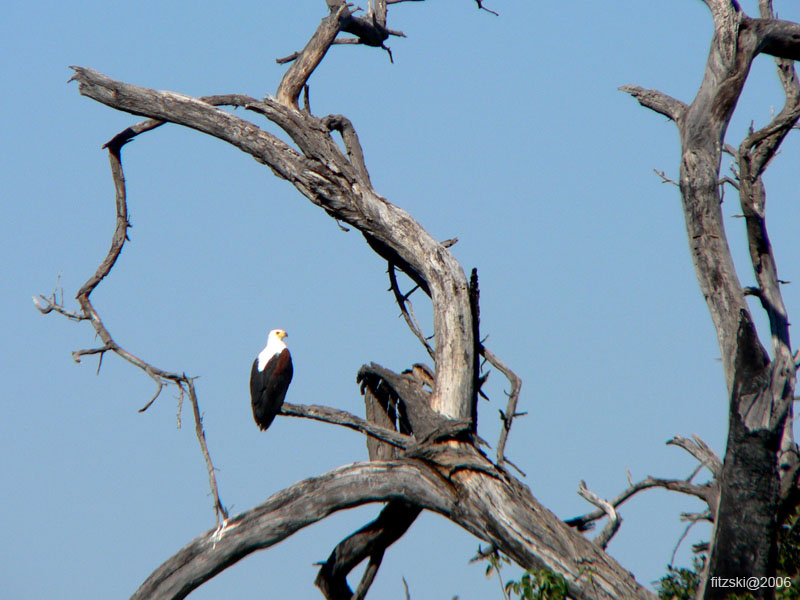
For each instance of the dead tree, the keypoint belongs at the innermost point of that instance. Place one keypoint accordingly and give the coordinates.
(421, 424)
(757, 480)
(429, 458)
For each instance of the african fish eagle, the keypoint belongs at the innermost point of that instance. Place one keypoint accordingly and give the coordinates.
(270, 378)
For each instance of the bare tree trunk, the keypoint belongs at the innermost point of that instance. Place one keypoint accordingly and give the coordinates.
(760, 389)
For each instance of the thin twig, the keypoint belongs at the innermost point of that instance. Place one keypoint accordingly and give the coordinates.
(510, 413)
(692, 523)
(664, 178)
(89, 313)
(482, 7)
(407, 310)
(46, 305)
(405, 587)
(201, 438)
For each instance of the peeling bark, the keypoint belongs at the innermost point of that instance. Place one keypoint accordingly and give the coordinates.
(760, 388)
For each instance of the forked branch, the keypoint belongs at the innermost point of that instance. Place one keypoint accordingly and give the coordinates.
(708, 492)
(309, 58)
(371, 541)
(614, 520)
(510, 413)
(88, 312)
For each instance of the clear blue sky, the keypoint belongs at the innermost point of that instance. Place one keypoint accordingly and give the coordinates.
(507, 132)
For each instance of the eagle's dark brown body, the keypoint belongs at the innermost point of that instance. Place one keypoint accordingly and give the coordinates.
(268, 385)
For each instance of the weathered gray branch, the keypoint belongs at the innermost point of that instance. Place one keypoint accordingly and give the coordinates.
(371, 541)
(510, 413)
(407, 309)
(701, 451)
(708, 492)
(325, 176)
(309, 58)
(88, 312)
(780, 39)
(499, 512)
(343, 418)
(657, 101)
(614, 520)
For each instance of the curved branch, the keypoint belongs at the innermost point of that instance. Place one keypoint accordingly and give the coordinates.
(355, 154)
(184, 383)
(780, 39)
(614, 520)
(701, 451)
(513, 396)
(708, 493)
(325, 177)
(309, 58)
(371, 541)
(657, 101)
(501, 513)
(286, 512)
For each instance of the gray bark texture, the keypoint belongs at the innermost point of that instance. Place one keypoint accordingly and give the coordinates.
(760, 462)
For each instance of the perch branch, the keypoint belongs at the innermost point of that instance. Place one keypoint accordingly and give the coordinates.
(335, 416)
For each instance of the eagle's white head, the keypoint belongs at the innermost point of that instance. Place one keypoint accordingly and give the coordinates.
(275, 345)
